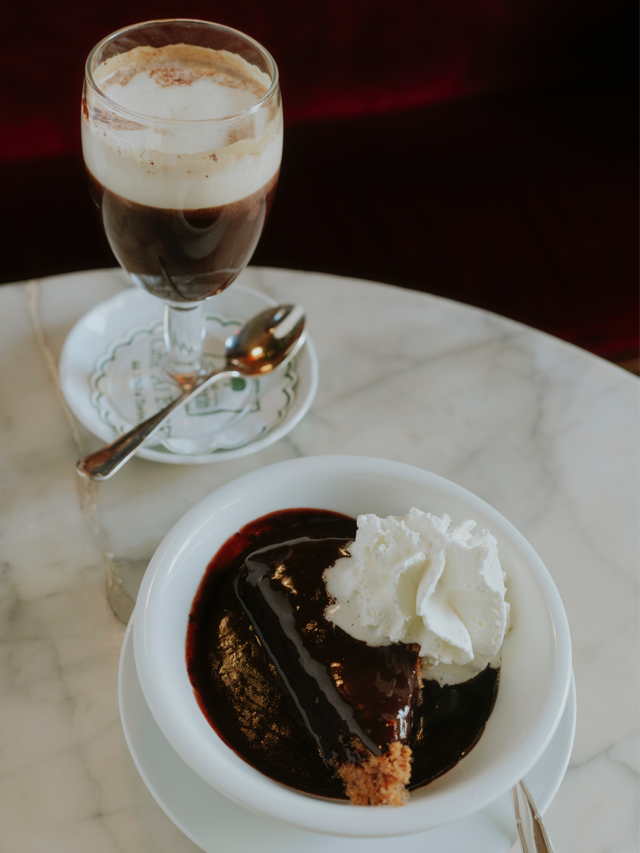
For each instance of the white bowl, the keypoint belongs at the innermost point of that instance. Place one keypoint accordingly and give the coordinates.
(536, 663)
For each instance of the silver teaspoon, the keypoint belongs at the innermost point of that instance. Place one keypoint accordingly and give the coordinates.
(532, 831)
(262, 344)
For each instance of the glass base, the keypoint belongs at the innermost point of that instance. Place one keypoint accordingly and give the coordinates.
(137, 385)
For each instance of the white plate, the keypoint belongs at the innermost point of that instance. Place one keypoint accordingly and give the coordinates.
(103, 393)
(215, 823)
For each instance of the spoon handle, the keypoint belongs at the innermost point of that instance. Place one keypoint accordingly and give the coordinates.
(105, 462)
(532, 831)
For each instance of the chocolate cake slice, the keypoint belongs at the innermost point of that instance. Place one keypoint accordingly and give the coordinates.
(357, 701)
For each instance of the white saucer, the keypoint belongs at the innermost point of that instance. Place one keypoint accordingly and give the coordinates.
(111, 379)
(215, 823)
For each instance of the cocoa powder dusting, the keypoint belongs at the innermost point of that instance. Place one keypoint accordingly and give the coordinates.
(166, 77)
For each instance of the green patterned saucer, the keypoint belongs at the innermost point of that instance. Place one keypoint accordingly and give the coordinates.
(111, 377)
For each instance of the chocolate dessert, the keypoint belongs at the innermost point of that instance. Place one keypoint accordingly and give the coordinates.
(356, 700)
(297, 697)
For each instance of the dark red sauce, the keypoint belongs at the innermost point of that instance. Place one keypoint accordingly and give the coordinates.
(272, 569)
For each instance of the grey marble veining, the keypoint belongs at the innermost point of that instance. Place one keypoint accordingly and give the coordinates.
(541, 430)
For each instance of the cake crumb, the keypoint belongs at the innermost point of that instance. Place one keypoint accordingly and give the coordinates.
(378, 780)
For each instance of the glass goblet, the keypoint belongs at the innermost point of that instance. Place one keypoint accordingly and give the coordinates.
(182, 141)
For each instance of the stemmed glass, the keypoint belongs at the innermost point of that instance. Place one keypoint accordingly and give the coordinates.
(182, 141)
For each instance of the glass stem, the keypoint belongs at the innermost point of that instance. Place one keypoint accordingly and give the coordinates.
(184, 331)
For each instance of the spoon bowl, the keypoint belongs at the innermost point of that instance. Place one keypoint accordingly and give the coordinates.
(265, 340)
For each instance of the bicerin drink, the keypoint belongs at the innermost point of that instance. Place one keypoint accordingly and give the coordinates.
(183, 146)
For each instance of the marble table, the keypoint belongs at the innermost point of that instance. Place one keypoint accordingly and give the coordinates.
(544, 432)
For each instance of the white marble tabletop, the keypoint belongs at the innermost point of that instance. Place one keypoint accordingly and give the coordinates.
(544, 432)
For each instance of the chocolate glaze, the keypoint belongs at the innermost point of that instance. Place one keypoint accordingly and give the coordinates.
(342, 687)
(276, 565)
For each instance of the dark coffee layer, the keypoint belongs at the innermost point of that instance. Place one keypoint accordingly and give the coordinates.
(183, 255)
(245, 699)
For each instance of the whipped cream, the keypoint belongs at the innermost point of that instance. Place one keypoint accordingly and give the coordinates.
(418, 580)
(176, 158)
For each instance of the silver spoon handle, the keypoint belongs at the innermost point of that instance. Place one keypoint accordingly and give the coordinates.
(532, 831)
(105, 462)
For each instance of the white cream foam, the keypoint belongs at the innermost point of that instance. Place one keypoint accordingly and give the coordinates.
(417, 580)
(204, 164)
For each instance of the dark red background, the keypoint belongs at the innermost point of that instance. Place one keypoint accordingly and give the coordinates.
(479, 149)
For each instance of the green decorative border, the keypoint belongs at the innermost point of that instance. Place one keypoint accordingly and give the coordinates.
(289, 392)
(104, 408)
